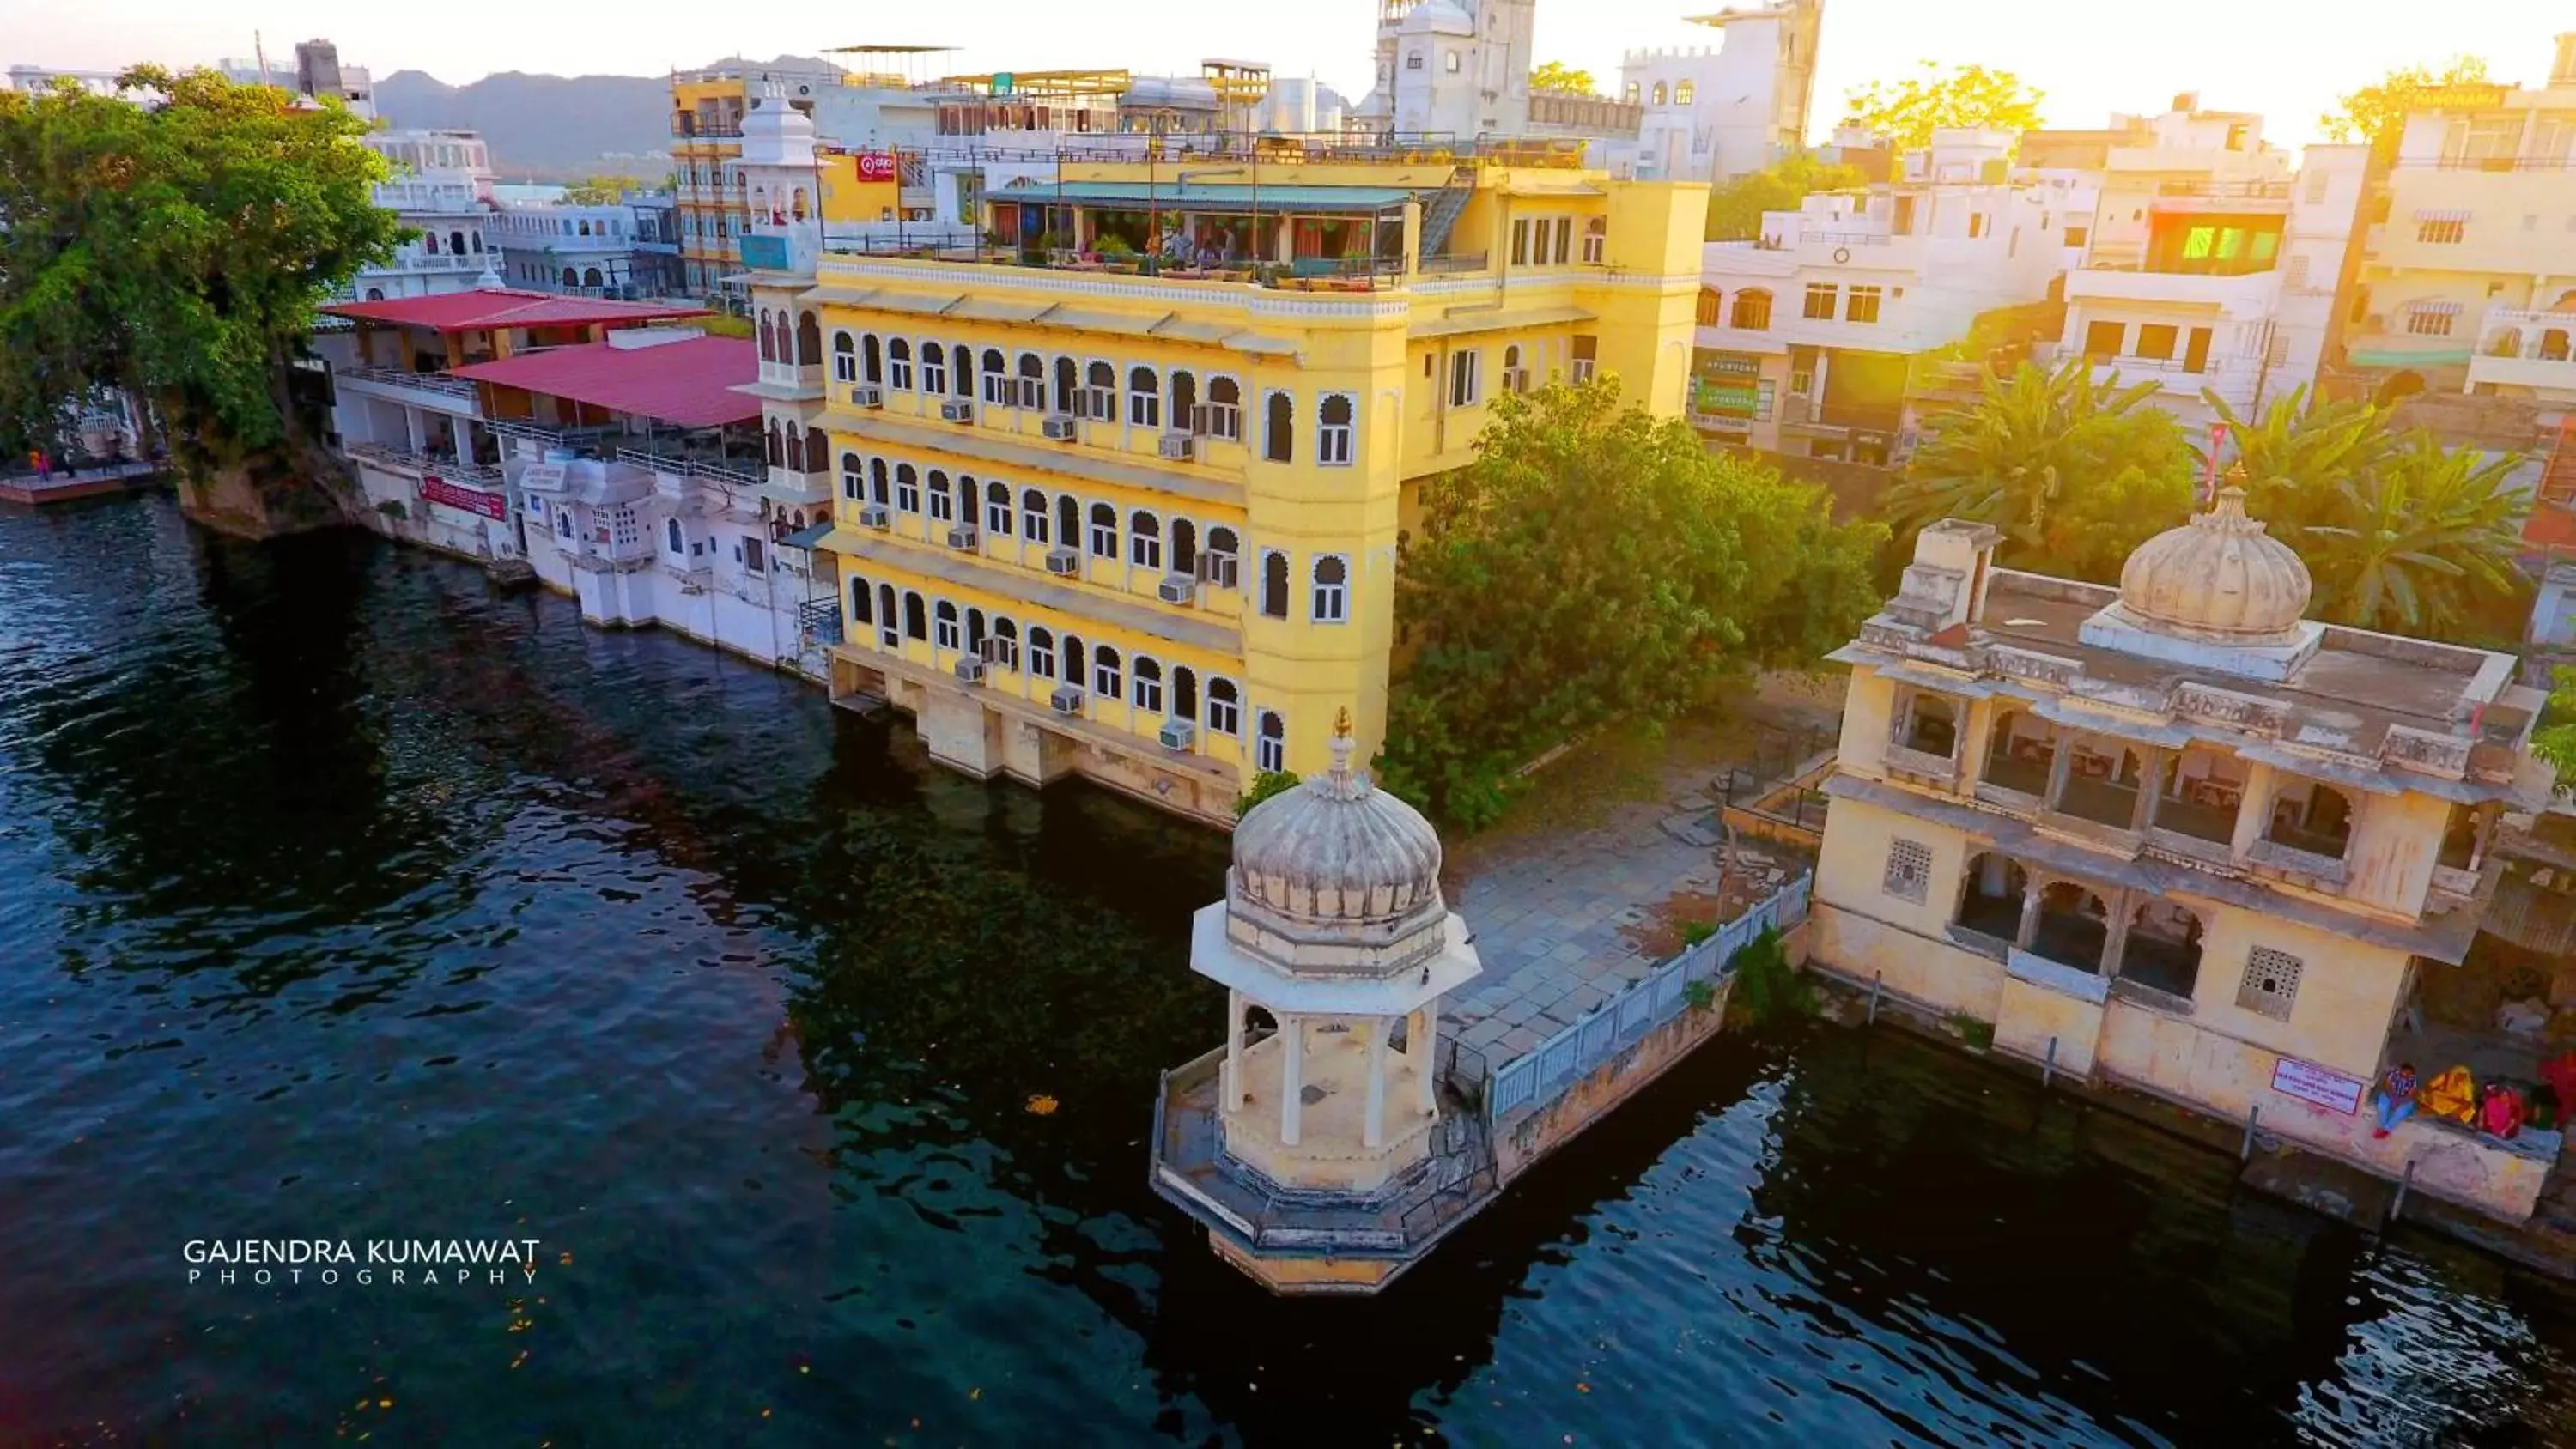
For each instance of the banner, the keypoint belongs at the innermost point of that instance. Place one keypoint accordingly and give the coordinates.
(876, 165)
(434, 489)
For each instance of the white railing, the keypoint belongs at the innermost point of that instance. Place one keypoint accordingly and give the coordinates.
(440, 383)
(1547, 1072)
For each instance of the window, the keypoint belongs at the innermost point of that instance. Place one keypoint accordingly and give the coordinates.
(751, 559)
(907, 488)
(997, 510)
(845, 358)
(1596, 241)
(1144, 540)
(916, 617)
(1909, 871)
(2104, 339)
(1753, 310)
(943, 504)
(899, 365)
(1466, 378)
(1104, 532)
(1628, 93)
(944, 633)
(1184, 389)
(934, 369)
(1520, 241)
(854, 479)
(1820, 301)
(1333, 430)
(1104, 672)
(1861, 305)
(1098, 400)
(1033, 516)
(1149, 684)
(2156, 341)
(1587, 350)
(2076, 235)
(1976, 224)
(2271, 983)
(1564, 238)
(997, 382)
(1274, 584)
(1279, 431)
(859, 602)
(1225, 409)
(2318, 181)
(1270, 751)
(1413, 60)
(1332, 600)
(877, 482)
(1658, 94)
(1224, 708)
(1042, 654)
(2442, 231)
(1712, 311)
(1144, 403)
(2428, 321)
(1685, 92)
(1449, 61)
(671, 533)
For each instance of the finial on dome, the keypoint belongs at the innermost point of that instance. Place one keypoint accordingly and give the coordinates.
(2237, 477)
(1342, 723)
(1342, 744)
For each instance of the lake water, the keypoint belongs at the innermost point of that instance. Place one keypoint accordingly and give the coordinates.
(341, 898)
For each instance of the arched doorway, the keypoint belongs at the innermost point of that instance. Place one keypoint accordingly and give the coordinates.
(2311, 816)
(2163, 948)
(2073, 927)
(1990, 898)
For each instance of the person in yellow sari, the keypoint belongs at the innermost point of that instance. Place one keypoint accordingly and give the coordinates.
(2452, 1095)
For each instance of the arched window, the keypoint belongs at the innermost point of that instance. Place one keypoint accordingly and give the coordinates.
(899, 365)
(1224, 707)
(1332, 600)
(1033, 515)
(1065, 386)
(1006, 642)
(1184, 390)
(860, 611)
(777, 446)
(872, 356)
(854, 479)
(1658, 94)
(1931, 725)
(563, 523)
(1144, 540)
(1712, 308)
(1104, 672)
(590, 277)
(975, 631)
(943, 504)
(997, 383)
(1752, 310)
(916, 622)
(1041, 652)
(1099, 399)
(943, 626)
(966, 499)
(887, 634)
(1685, 92)
(1990, 898)
(1149, 684)
(2311, 816)
(809, 341)
(1185, 693)
(1031, 387)
(1070, 659)
(1185, 547)
(456, 243)
(1279, 436)
(768, 339)
(1225, 409)
(934, 369)
(1333, 419)
(845, 358)
(1068, 522)
(2163, 948)
(961, 364)
(1270, 750)
(1144, 404)
(796, 207)
(997, 509)
(671, 536)
(1274, 584)
(2073, 927)
(1515, 376)
(877, 481)
(907, 488)
(571, 278)
(1104, 532)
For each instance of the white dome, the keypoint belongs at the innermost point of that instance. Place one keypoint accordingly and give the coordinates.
(776, 133)
(2219, 579)
(1439, 17)
(1337, 852)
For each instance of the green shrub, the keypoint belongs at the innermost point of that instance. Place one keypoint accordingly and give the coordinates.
(1700, 994)
(393, 508)
(1264, 785)
(1978, 1034)
(1767, 987)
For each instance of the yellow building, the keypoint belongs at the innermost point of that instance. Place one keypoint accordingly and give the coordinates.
(707, 108)
(2469, 278)
(2174, 837)
(1137, 521)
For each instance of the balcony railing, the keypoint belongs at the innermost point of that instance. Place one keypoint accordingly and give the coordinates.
(2488, 163)
(455, 387)
(691, 467)
(2249, 190)
(1305, 273)
(409, 461)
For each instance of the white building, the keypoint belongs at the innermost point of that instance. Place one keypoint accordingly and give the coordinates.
(442, 189)
(1716, 112)
(2210, 265)
(1453, 67)
(585, 250)
(1808, 335)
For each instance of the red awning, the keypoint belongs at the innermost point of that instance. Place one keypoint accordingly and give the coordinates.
(478, 311)
(688, 382)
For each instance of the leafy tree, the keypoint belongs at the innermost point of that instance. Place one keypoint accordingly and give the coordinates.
(1556, 78)
(2074, 472)
(1735, 207)
(1592, 565)
(178, 252)
(2554, 742)
(2418, 543)
(2378, 109)
(598, 190)
(1908, 111)
(1264, 785)
(2297, 455)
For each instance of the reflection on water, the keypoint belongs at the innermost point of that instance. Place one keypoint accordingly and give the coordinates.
(346, 899)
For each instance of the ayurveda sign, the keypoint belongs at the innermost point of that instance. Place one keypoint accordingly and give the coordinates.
(434, 489)
(2312, 1083)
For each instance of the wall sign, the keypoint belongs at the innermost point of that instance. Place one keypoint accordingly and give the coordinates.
(876, 165)
(434, 489)
(2312, 1083)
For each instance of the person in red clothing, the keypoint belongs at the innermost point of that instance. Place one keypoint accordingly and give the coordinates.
(2500, 1115)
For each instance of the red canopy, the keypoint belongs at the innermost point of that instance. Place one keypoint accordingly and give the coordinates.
(482, 310)
(688, 382)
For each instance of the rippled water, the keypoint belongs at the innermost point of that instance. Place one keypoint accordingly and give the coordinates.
(341, 898)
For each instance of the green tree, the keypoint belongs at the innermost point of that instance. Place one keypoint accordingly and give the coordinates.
(2554, 742)
(1556, 78)
(599, 190)
(1735, 207)
(2420, 543)
(2074, 472)
(1908, 111)
(2297, 455)
(178, 252)
(2377, 109)
(1595, 565)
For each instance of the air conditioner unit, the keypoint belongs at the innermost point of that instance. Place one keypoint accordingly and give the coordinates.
(962, 537)
(1064, 561)
(1067, 699)
(875, 516)
(867, 395)
(1176, 445)
(957, 410)
(1219, 570)
(1177, 589)
(1059, 428)
(970, 670)
(1179, 734)
(1030, 392)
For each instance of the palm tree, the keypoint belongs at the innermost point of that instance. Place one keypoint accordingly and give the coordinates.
(2422, 540)
(2297, 456)
(2074, 472)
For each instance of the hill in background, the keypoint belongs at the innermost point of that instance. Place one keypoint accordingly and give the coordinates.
(552, 127)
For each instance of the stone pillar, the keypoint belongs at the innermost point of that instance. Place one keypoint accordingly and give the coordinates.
(2061, 762)
(2253, 810)
(1373, 1125)
(2029, 928)
(415, 437)
(1423, 1043)
(1230, 1076)
(2150, 785)
(1292, 1075)
(2115, 936)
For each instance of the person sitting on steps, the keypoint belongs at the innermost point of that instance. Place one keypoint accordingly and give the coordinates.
(2395, 1099)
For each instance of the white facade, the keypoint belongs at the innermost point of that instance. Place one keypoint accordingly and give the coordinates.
(442, 189)
(1716, 112)
(1454, 67)
(2212, 265)
(559, 246)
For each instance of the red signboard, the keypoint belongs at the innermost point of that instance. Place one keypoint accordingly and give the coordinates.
(876, 165)
(434, 489)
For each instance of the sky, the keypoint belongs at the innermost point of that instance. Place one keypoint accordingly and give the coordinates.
(2286, 59)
